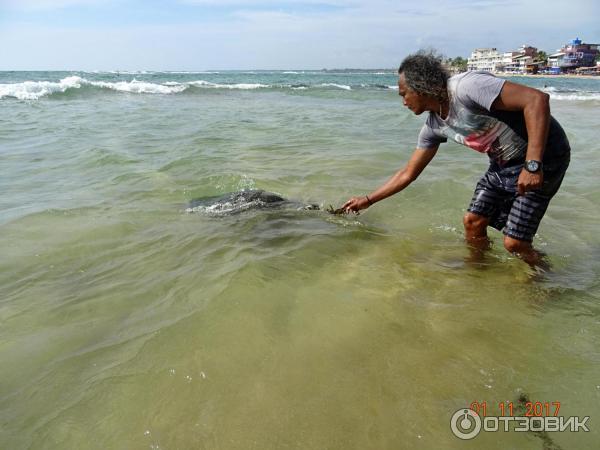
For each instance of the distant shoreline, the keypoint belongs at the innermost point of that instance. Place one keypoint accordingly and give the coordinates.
(508, 74)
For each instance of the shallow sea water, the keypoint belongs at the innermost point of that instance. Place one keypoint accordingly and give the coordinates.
(128, 323)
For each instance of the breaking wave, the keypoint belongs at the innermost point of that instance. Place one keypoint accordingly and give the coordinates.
(571, 94)
(33, 90)
(575, 96)
(208, 84)
(335, 85)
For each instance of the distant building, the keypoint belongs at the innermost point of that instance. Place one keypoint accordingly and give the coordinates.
(484, 59)
(522, 61)
(508, 62)
(575, 57)
(572, 56)
(555, 61)
(490, 60)
(594, 70)
(517, 61)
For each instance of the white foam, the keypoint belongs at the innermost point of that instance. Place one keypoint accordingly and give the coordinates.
(223, 208)
(202, 83)
(122, 72)
(140, 87)
(339, 86)
(583, 96)
(247, 86)
(32, 90)
(570, 94)
(208, 84)
(191, 72)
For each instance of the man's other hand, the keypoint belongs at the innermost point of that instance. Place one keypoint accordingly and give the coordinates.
(529, 181)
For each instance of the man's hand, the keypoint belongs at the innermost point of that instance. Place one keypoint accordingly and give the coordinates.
(529, 181)
(355, 204)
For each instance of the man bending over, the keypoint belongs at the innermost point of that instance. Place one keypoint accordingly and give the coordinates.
(528, 149)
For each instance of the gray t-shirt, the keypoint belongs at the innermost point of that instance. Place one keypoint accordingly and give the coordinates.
(472, 122)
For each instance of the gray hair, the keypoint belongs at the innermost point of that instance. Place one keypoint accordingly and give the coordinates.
(425, 74)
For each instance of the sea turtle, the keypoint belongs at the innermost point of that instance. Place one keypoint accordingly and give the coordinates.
(236, 202)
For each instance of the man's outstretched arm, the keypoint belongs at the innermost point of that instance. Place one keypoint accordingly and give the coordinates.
(400, 180)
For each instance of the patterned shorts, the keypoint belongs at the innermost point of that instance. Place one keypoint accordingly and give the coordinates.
(517, 216)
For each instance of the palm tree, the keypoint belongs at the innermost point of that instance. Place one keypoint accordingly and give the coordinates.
(458, 64)
(542, 57)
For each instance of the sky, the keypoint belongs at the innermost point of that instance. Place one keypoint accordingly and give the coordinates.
(269, 34)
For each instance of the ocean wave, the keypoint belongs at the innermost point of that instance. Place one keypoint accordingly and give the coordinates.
(139, 87)
(33, 90)
(570, 94)
(118, 72)
(335, 85)
(186, 72)
(580, 96)
(208, 84)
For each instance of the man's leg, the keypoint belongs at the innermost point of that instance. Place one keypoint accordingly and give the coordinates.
(476, 230)
(476, 235)
(528, 210)
(484, 210)
(523, 250)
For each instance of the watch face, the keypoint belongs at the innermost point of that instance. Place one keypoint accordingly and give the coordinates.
(533, 166)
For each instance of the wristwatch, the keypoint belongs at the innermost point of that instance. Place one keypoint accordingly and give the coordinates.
(533, 166)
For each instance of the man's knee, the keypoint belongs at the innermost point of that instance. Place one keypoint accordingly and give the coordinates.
(475, 223)
(515, 246)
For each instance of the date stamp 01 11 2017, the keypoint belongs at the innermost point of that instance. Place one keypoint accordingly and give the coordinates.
(522, 416)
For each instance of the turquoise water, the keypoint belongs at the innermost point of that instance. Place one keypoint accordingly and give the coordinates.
(127, 322)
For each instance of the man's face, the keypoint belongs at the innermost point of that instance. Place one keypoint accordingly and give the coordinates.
(413, 101)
